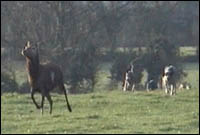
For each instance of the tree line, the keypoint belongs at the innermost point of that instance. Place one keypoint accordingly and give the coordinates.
(81, 35)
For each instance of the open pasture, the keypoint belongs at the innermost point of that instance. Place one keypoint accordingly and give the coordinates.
(107, 111)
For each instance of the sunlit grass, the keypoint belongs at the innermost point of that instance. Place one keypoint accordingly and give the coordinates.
(104, 112)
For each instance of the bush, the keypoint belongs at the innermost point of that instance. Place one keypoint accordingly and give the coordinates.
(24, 88)
(161, 53)
(7, 83)
(121, 62)
(81, 75)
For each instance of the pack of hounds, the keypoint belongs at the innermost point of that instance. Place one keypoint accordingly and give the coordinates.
(168, 81)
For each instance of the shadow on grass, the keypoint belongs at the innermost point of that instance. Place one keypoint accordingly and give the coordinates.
(138, 132)
(168, 129)
(93, 117)
(111, 127)
(182, 128)
(96, 96)
(88, 117)
(194, 124)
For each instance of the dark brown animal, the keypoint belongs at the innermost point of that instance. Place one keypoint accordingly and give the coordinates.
(42, 77)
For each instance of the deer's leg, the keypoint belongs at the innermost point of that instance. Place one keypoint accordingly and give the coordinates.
(62, 87)
(50, 101)
(42, 102)
(32, 96)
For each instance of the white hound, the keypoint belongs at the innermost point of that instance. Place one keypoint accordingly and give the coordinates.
(128, 80)
(168, 80)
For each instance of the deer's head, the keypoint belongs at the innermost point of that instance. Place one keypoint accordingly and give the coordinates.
(30, 51)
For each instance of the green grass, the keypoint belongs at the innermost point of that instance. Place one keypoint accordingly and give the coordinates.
(107, 111)
(104, 112)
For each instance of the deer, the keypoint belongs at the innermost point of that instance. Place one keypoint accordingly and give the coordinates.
(42, 78)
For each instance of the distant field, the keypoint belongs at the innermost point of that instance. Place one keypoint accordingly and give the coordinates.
(185, 51)
(107, 111)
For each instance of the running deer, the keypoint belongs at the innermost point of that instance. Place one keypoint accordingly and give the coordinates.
(42, 77)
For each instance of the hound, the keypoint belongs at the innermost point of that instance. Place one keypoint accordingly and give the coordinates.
(128, 79)
(168, 80)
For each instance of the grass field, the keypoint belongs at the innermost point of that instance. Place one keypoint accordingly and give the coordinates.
(107, 111)
(187, 51)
